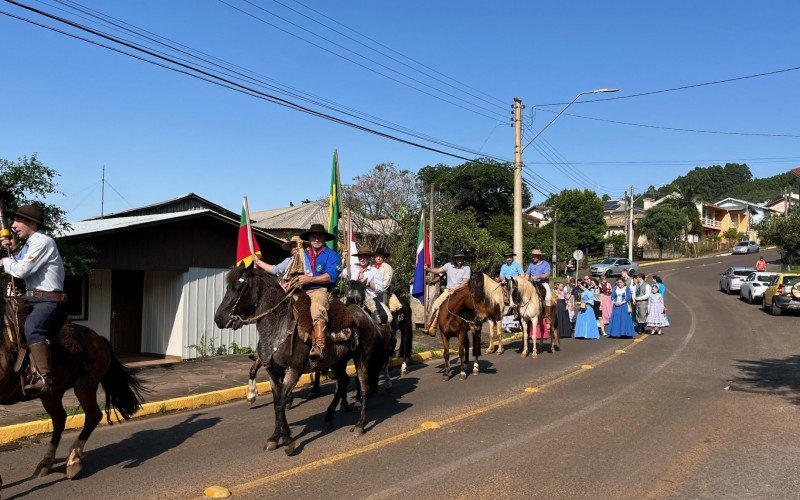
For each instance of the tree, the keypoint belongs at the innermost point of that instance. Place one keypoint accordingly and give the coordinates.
(460, 232)
(582, 212)
(732, 234)
(783, 231)
(29, 181)
(485, 187)
(661, 224)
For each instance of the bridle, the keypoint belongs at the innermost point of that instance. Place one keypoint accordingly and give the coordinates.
(235, 317)
(474, 306)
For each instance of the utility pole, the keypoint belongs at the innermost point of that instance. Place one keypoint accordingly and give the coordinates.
(103, 192)
(555, 235)
(630, 227)
(518, 179)
(431, 289)
(430, 234)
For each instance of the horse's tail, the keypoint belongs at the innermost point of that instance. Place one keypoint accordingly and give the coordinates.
(123, 389)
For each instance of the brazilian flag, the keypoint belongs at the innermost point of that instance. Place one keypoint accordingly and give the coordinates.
(334, 211)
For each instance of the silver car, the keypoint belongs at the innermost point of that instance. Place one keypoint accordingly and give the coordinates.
(746, 247)
(754, 285)
(613, 266)
(731, 280)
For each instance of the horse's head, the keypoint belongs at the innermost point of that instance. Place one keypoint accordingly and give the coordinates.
(356, 293)
(476, 285)
(245, 290)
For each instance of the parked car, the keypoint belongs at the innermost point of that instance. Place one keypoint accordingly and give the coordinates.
(754, 285)
(746, 247)
(782, 294)
(613, 266)
(731, 280)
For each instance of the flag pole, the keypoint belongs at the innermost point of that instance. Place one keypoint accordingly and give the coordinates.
(349, 236)
(249, 228)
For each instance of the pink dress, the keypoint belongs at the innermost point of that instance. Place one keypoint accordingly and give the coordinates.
(605, 302)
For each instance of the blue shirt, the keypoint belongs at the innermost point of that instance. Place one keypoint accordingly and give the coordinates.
(510, 270)
(328, 261)
(543, 267)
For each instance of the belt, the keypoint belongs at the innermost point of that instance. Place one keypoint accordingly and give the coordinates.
(38, 294)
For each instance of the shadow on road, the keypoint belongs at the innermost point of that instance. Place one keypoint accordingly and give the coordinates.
(770, 376)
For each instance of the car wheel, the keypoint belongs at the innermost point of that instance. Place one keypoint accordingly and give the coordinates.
(608, 273)
(728, 290)
(750, 298)
(776, 311)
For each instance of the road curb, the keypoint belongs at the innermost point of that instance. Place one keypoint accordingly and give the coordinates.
(13, 432)
(645, 264)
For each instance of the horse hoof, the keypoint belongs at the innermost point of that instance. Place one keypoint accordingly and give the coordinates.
(42, 471)
(445, 378)
(462, 376)
(251, 401)
(500, 352)
(271, 445)
(403, 373)
(74, 468)
(524, 354)
(288, 447)
(358, 431)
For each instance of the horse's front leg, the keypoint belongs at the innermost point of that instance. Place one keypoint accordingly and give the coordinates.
(446, 357)
(490, 348)
(342, 381)
(281, 424)
(252, 387)
(525, 331)
(476, 349)
(535, 327)
(463, 354)
(58, 415)
(362, 374)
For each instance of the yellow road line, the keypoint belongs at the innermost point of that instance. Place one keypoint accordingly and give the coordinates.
(425, 426)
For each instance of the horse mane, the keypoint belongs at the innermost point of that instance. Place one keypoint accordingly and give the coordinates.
(271, 290)
(485, 289)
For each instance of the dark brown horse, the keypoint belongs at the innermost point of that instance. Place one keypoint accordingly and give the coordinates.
(81, 360)
(458, 317)
(254, 293)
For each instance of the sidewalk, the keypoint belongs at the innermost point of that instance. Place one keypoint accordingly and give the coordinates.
(175, 380)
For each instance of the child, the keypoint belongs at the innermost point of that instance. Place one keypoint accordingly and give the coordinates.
(655, 311)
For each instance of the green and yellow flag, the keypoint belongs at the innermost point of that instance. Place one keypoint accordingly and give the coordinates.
(333, 201)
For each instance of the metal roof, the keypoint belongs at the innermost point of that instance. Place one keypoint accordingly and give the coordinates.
(97, 226)
(297, 217)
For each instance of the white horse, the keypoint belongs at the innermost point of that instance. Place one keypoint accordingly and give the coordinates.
(493, 297)
(530, 309)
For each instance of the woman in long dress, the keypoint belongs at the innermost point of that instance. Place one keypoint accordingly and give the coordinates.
(563, 323)
(662, 289)
(605, 303)
(656, 319)
(620, 323)
(586, 324)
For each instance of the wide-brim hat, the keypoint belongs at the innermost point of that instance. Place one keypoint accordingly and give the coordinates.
(317, 229)
(536, 251)
(459, 255)
(33, 214)
(509, 254)
(363, 250)
(381, 251)
(293, 242)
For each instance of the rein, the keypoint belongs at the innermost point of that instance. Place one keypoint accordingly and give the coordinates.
(473, 323)
(293, 286)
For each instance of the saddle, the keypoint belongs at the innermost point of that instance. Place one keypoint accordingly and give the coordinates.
(340, 321)
(15, 311)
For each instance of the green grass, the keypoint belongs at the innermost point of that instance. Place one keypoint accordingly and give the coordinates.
(71, 412)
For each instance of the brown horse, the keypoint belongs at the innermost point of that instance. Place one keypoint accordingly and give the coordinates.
(458, 317)
(81, 360)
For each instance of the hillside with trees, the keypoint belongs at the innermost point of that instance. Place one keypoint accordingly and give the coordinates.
(733, 180)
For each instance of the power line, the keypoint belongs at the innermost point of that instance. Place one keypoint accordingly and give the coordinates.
(203, 75)
(389, 56)
(244, 73)
(778, 159)
(676, 129)
(684, 87)
(364, 66)
(415, 61)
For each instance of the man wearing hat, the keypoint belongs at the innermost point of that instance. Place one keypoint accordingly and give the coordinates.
(539, 271)
(386, 272)
(362, 270)
(457, 278)
(39, 263)
(509, 271)
(295, 245)
(324, 266)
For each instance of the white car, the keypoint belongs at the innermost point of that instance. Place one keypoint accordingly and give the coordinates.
(731, 280)
(754, 285)
(746, 247)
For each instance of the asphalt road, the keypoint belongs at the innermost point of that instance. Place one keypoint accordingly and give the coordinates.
(709, 409)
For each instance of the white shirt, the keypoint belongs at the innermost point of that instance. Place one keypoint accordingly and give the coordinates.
(386, 273)
(369, 276)
(39, 263)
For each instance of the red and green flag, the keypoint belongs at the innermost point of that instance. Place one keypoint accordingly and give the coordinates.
(334, 211)
(247, 246)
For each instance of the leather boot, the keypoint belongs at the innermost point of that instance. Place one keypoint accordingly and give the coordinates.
(42, 385)
(318, 341)
(431, 330)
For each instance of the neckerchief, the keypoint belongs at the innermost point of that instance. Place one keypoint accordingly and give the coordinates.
(312, 257)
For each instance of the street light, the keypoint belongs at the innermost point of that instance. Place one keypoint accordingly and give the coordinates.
(598, 91)
(518, 149)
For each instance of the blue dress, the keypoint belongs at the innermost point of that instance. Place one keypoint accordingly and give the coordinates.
(620, 324)
(586, 324)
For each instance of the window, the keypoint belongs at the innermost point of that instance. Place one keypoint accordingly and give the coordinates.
(77, 290)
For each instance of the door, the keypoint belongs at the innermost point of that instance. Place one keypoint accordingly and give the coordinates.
(127, 290)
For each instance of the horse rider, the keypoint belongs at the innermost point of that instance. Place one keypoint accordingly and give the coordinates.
(385, 270)
(295, 246)
(539, 272)
(457, 278)
(362, 270)
(39, 263)
(324, 266)
(509, 272)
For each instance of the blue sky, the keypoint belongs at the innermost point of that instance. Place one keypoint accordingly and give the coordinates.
(161, 134)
